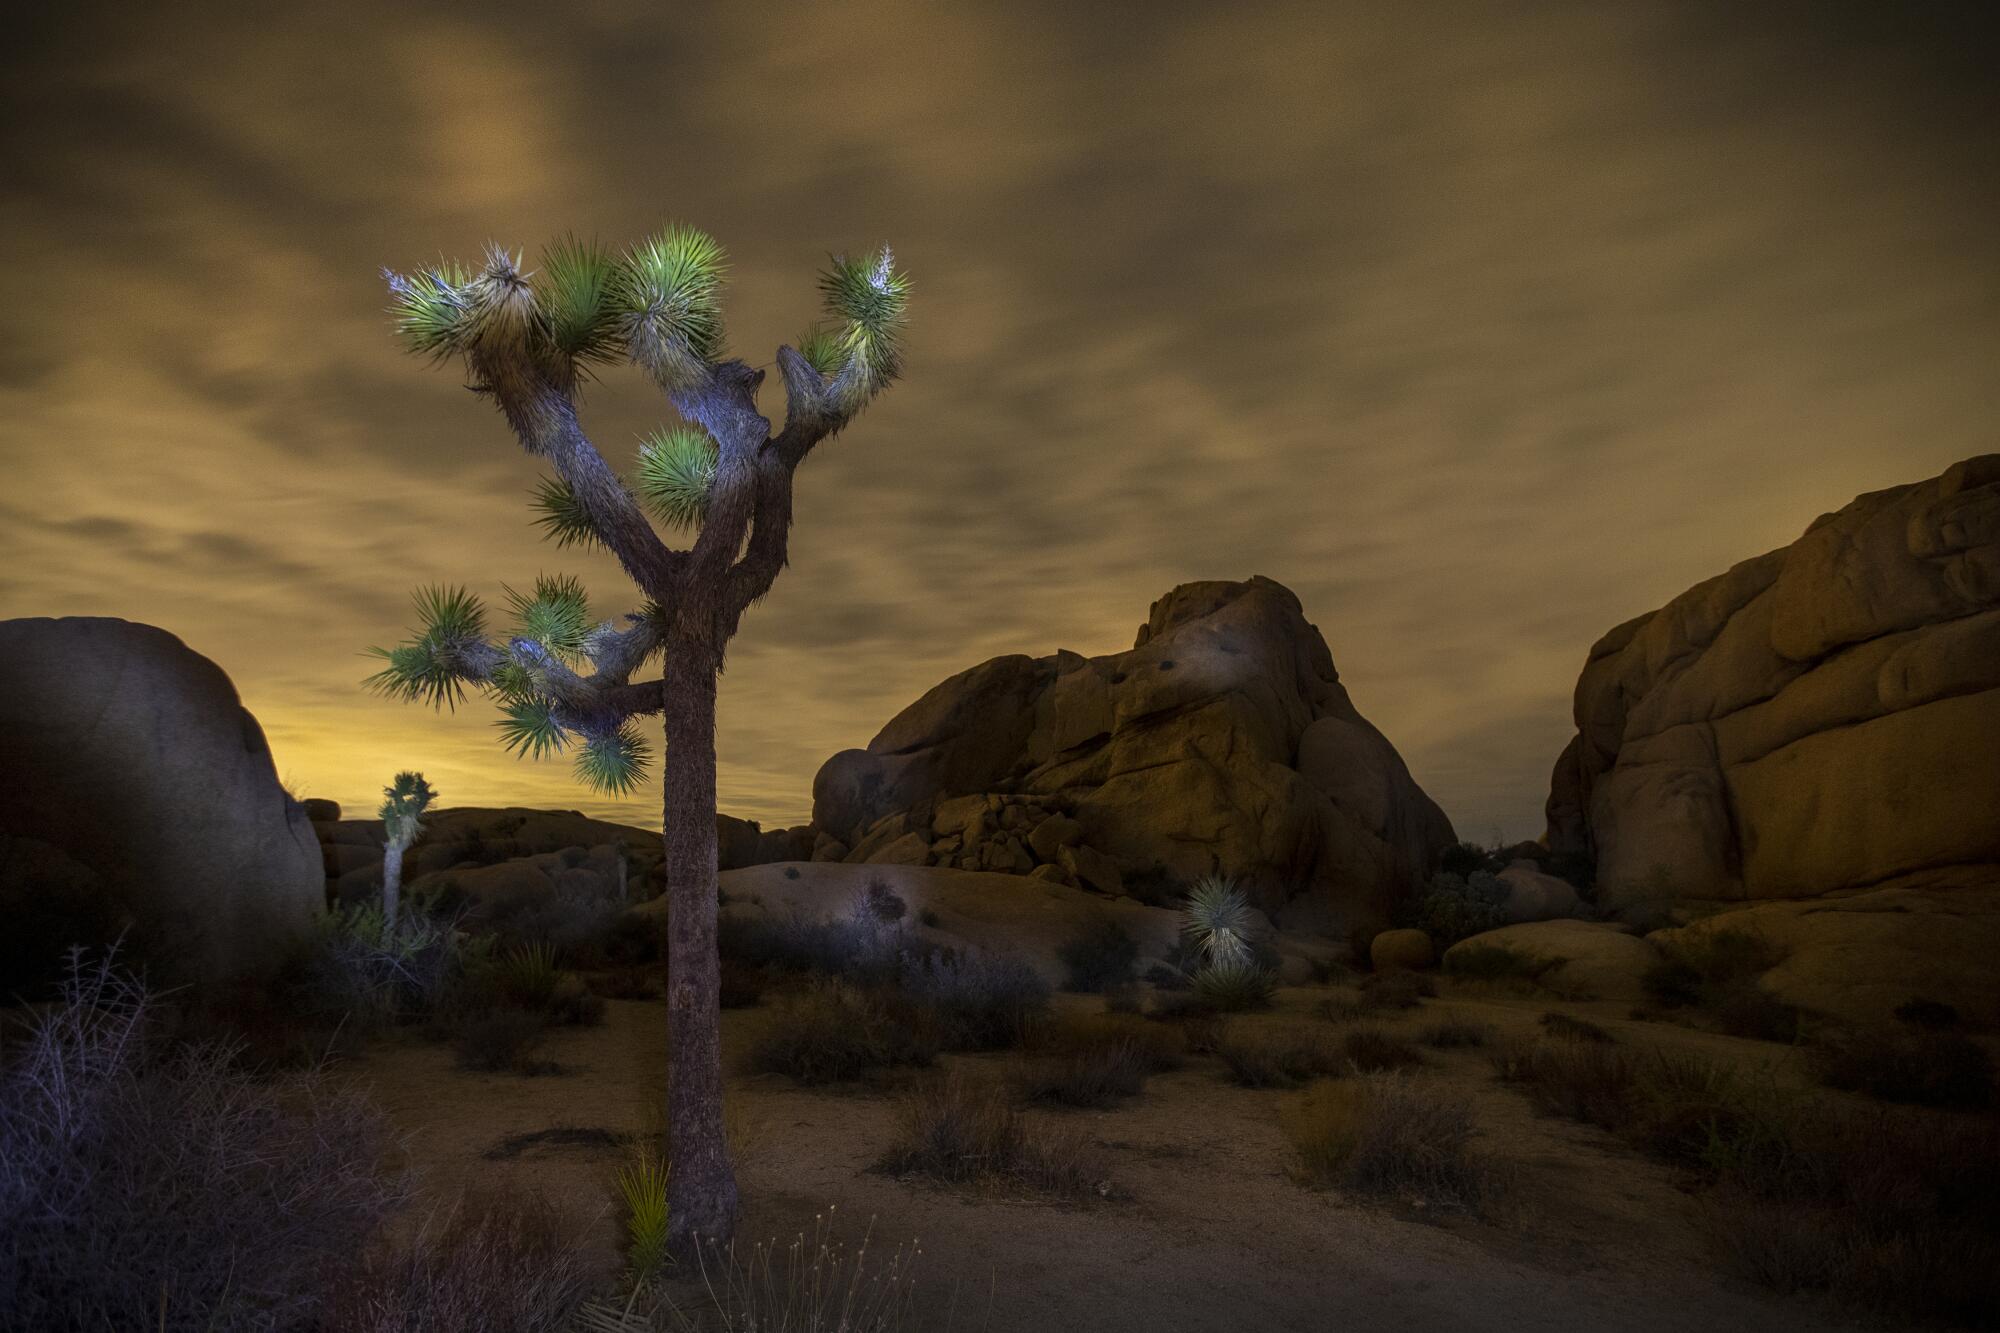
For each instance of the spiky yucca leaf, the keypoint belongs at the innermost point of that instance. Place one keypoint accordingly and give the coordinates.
(676, 468)
(562, 517)
(642, 1187)
(822, 348)
(613, 762)
(530, 729)
(576, 282)
(873, 301)
(1217, 919)
(512, 682)
(428, 667)
(557, 616)
(668, 298)
(403, 806)
(431, 309)
(500, 302)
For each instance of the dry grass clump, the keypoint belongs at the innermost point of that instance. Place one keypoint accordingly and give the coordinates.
(1390, 1134)
(144, 1185)
(1371, 1050)
(1396, 990)
(1097, 1060)
(816, 1283)
(953, 1130)
(833, 1032)
(1917, 1065)
(1895, 1210)
(1279, 1060)
(1456, 1033)
(1572, 1028)
(512, 1263)
(1715, 975)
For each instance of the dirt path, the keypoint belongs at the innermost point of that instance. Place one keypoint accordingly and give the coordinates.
(1209, 1234)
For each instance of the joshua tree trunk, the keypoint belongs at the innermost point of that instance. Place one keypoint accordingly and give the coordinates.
(392, 882)
(701, 1189)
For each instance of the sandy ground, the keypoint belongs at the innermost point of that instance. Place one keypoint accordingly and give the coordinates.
(1207, 1231)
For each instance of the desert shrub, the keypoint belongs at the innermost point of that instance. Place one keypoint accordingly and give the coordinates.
(631, 983)
(1235, 985)
(357, 970)
(1395, 990)
(528, 976)
(501, 1040)
(1572, 1028)
(950, 1129)
(1278, 1060)
(814, 1284)
(1162, 1046)
(1343, 1006)
(929, 918)
(1904, 1064)
(835, 1032)
(573, 1004)
(1125, 999)
(1466, 858)
(1456, 905)
(148, 1186)
(1704, 970)
(978, 1001)
(1371, 1050)
(1498, 963)
(1390, 1134)
(1580, 1080)
(882, 903)
(1097, 1075)
(1453, 1033)
(1100, 955)
(1933, 1015)
(587, 928)
(510, 1265)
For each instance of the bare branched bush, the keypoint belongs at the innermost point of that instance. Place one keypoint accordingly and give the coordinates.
(953, 1130)
(143, 1186)
(1391, 1134)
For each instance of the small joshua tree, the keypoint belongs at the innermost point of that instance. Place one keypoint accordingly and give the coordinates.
(529, 341)
(402, 816)
(1217, 921)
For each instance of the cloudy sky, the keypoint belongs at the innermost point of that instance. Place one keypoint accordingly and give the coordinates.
(1482, 327)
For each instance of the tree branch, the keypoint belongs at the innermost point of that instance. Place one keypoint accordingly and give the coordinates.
(725, 405)
(811, 415)
(543, 416)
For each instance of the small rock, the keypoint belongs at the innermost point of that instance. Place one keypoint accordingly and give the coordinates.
(1053, 834)
(1401, 948)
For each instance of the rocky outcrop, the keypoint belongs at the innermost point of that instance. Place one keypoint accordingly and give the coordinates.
(1222, 742)
(1821, 718)
(137, 794)
(475, 837)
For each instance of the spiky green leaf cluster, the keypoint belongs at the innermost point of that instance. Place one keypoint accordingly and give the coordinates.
(557, 615)
(529, 729)
(561, 516)
(822, 348)
(577, 282)
(669, 304)
(676, 469)
(431, 308)
(428, 668)
(613, 762)
(403, 806)
(1217, 918)
(871, 301)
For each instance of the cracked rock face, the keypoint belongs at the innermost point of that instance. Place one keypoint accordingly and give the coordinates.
(1819, 719)
(1222, 742)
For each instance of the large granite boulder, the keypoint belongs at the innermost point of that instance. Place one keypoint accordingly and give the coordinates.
(137, 794)
(1812, 742)
(1222, 742)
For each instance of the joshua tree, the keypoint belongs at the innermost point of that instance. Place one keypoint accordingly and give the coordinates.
(528, 341)
(402, 816)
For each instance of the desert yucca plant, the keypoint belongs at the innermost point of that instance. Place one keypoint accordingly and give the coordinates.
(568, 684)
(402, 815)
(642, 1188)
(1235, 985)
(1217, 921)
(529, 975)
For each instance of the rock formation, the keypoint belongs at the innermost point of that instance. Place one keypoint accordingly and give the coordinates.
(1818, 729)
(136, 793)
(1222, 742)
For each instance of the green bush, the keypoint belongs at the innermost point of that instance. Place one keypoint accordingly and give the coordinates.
(1457, 905)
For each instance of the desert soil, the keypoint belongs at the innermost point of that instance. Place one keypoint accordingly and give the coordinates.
(1205, 1229)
